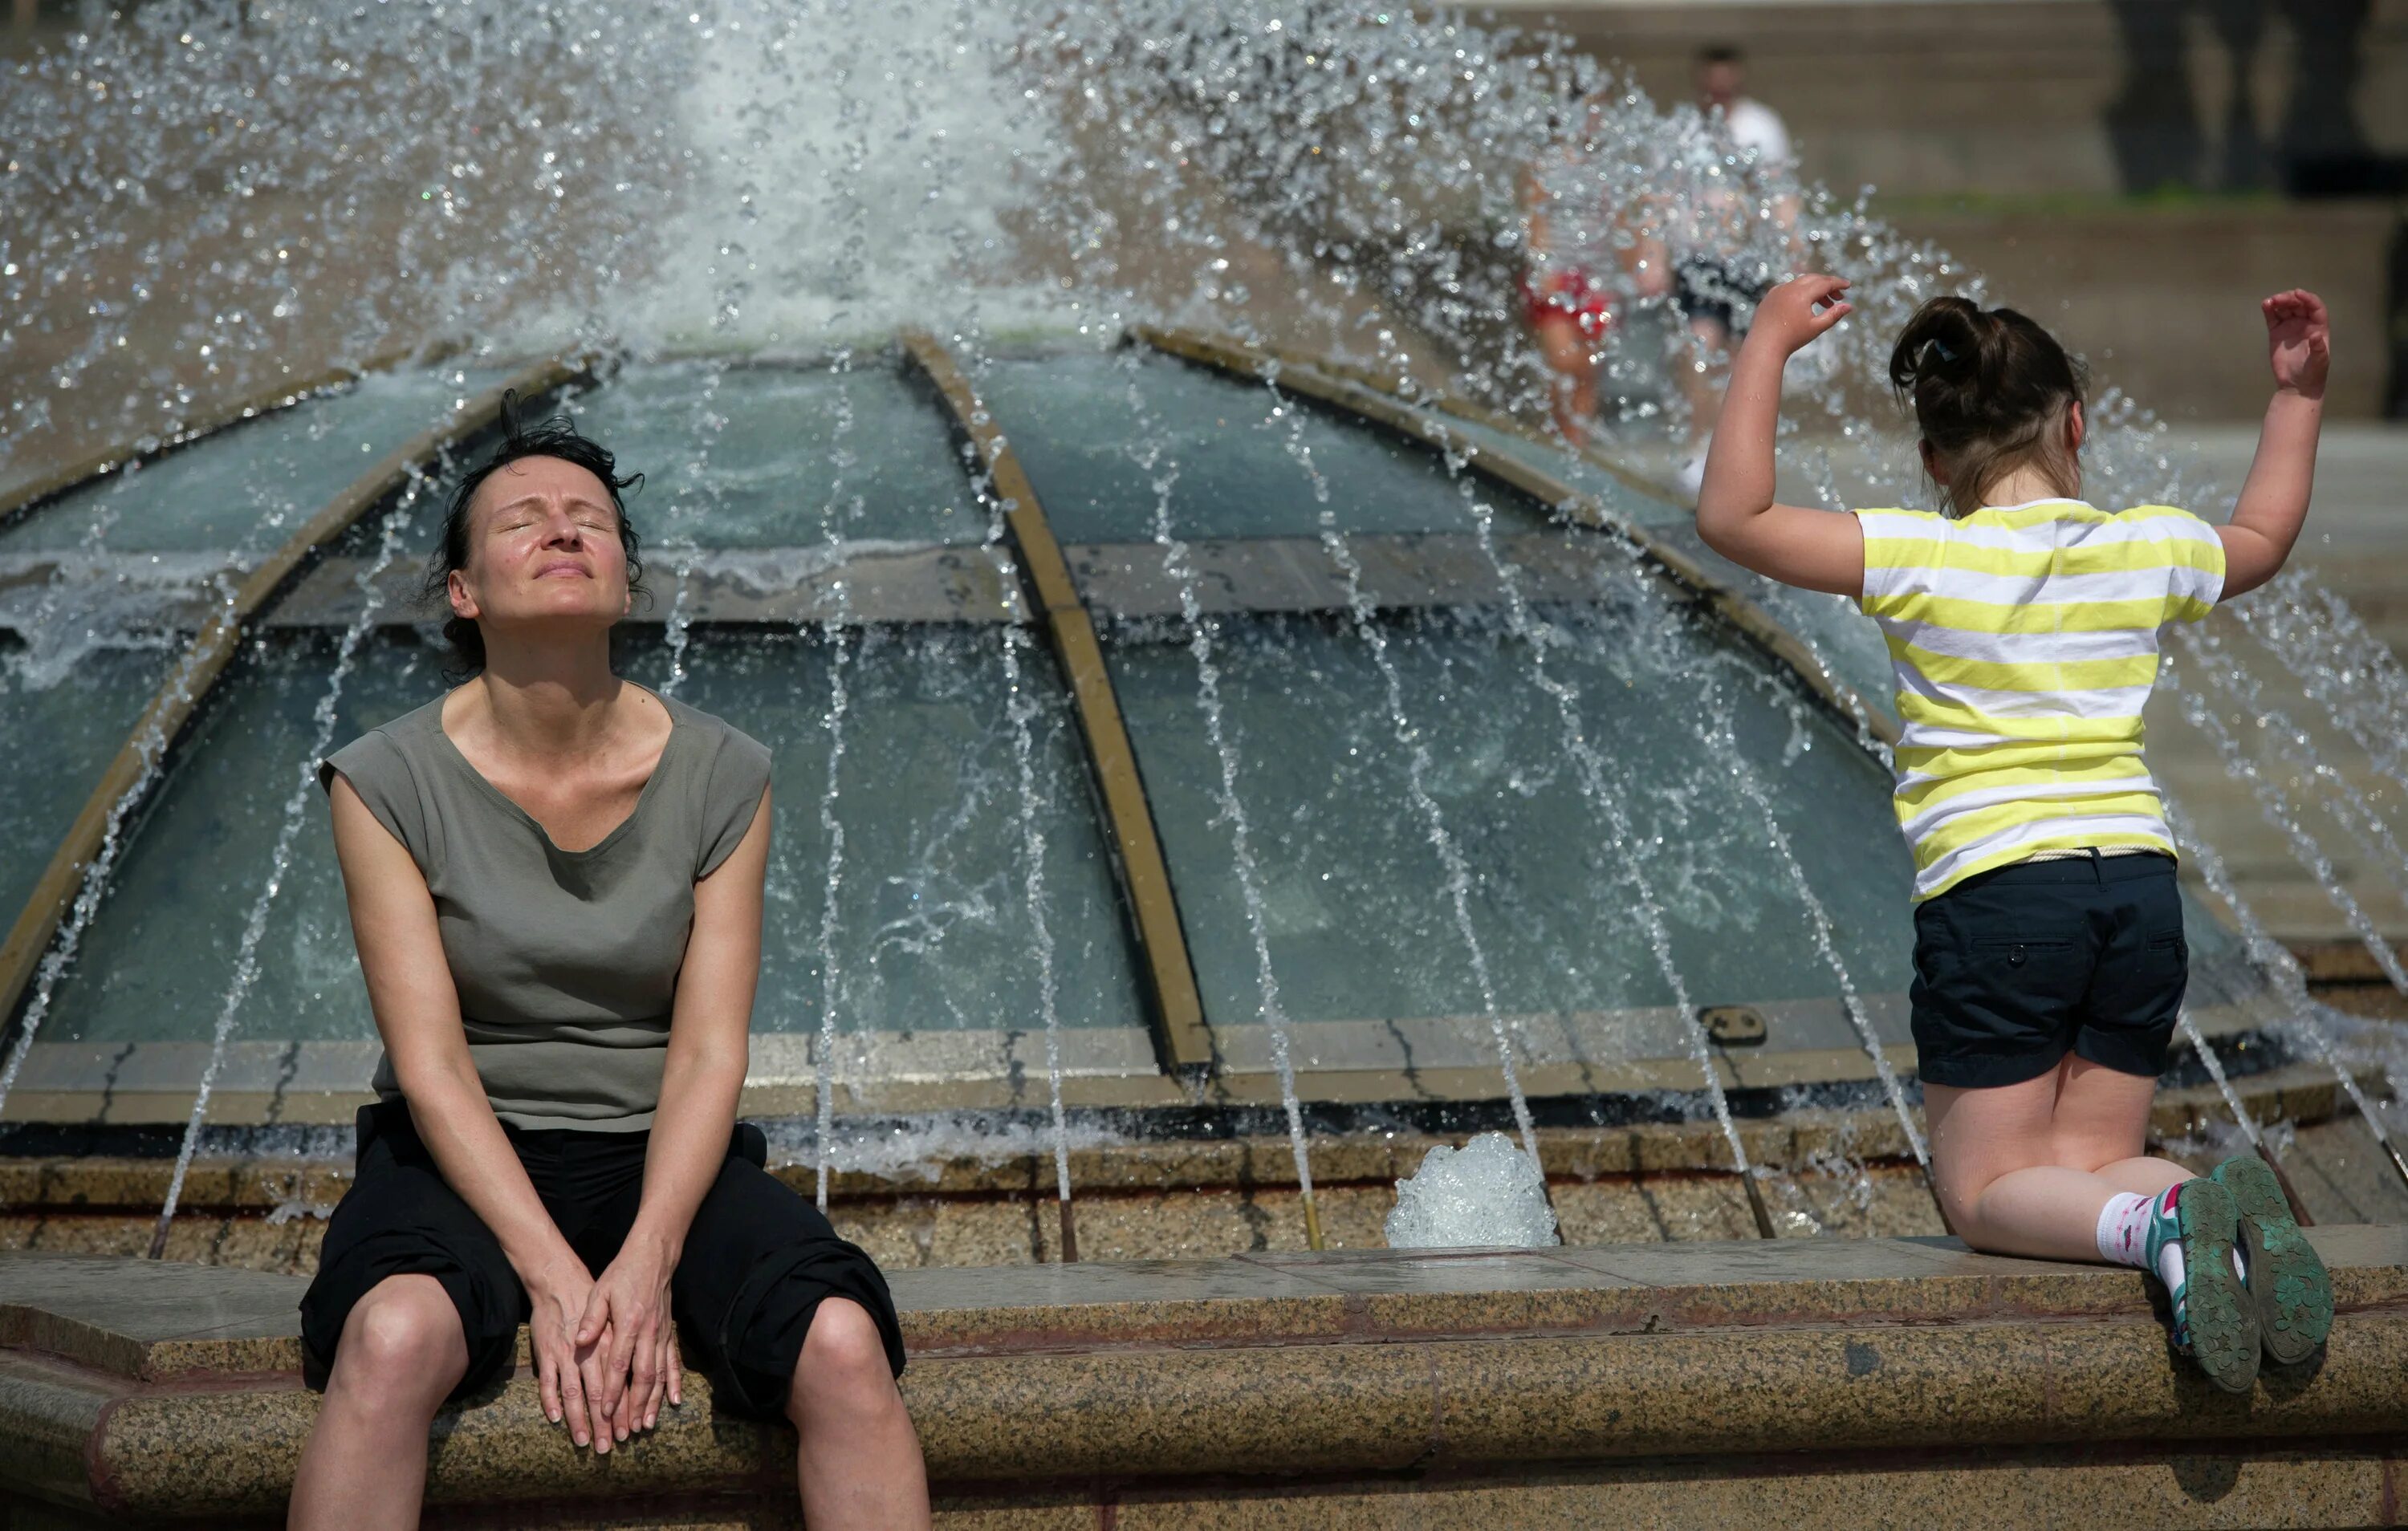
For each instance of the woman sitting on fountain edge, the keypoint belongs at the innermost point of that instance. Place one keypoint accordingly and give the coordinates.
(555, 885)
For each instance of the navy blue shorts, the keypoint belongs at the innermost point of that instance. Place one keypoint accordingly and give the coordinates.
(2016, 968)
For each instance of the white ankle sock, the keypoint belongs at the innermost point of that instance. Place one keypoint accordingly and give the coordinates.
(2124, 1236)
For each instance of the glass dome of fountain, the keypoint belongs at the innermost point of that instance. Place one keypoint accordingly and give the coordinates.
(1386, 759)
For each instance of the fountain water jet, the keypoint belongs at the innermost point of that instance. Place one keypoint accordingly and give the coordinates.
(245, 963)
(1334, 179)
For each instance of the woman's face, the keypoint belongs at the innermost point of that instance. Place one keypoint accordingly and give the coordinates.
(543, 551)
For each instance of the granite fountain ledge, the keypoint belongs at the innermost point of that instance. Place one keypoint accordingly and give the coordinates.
(170, 1393)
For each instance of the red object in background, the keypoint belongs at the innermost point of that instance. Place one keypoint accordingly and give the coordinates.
(1568, 293)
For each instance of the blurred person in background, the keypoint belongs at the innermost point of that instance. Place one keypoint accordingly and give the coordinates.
(1699, 254)
(1569, 287)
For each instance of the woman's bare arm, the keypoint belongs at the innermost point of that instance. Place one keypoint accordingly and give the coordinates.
(1737, 516)
(709, 1038)
(417, 1014)
(2274, 502)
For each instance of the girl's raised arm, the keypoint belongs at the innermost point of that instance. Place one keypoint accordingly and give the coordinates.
(2274, 499)
(1814, 550)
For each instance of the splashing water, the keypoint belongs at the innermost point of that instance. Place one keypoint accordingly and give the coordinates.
(1151, 455)
(1716, 741)
(2276, 805)
(1604, 788)
(705, 424)
(215, 200)
(1370, 631)
(2348, 806)
(832, 629)
(149, 744)
(2275, 959)
(1022, 710)
(245, 963)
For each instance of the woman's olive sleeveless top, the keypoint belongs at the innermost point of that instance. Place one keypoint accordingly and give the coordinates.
(566, 961)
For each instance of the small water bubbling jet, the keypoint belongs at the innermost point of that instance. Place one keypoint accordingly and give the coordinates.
(1151, 457)
(297, 803)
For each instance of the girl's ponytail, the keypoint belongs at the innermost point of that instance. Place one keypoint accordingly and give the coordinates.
(1990, 390)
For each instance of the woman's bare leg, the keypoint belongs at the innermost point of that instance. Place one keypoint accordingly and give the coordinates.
(365, 1465)
(859, 1465)
(2027, 1168)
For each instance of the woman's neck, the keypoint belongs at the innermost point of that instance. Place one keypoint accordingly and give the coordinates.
(549, 699)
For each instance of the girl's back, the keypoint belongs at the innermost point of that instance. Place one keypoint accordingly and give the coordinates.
(2025, 639)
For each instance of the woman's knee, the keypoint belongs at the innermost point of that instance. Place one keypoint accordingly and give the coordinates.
(844, 1362)
(403, 1339)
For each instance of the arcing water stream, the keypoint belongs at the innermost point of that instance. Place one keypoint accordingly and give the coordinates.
(293, 818)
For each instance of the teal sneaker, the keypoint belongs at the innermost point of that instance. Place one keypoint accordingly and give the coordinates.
(2288, 1284)
(2213, 1320)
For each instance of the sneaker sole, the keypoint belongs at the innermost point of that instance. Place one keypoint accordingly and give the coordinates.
(2223, 1320)
(2288, 1284)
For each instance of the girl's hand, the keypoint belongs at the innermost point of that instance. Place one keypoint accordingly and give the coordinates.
(1798, 310)
(2299, 341)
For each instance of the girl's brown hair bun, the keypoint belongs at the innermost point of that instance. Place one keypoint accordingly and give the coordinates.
(1990, 390)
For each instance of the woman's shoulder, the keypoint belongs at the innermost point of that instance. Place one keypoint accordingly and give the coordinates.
(719, 744)
(400, 743)
(727, 771)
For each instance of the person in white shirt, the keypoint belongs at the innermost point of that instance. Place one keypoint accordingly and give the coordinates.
(1699, 259)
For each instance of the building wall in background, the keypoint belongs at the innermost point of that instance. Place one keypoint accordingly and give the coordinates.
(1945, 97)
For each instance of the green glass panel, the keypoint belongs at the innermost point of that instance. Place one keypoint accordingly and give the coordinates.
(247, 488)
(934, 929)
(1355, 892)
(1104, 436)
(766, 456)
(61, 737)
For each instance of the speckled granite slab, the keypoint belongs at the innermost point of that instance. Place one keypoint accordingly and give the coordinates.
(170, 1391)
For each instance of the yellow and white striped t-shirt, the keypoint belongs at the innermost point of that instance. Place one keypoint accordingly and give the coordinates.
(2025, 641)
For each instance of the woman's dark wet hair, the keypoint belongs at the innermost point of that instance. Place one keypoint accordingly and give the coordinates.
(1990, 390)
(554, 437)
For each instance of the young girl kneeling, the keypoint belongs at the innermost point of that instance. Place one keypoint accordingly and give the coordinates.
(2049, 956)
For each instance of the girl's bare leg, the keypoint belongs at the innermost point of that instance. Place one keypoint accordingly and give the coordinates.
(365, 1465)
(1568, 355)
(2027, 1168)
(859, 1464)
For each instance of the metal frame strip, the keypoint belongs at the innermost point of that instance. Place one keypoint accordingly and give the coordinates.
(27, 498)
(207, 658)
(1182, 1038)
(1308, 377)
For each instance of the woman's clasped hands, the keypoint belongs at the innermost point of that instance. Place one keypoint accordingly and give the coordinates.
(606, 1349)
